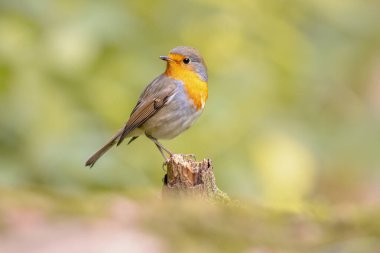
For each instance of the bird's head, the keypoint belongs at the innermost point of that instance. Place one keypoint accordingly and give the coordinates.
(182, 60)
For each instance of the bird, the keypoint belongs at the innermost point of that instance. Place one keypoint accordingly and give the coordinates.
(169, 105)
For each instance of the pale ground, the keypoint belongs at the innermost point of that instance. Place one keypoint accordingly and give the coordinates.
(30, 230)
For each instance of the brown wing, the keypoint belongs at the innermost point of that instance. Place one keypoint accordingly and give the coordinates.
(153, 98)
(146, 108)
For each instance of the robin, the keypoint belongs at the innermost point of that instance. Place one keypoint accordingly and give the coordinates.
(169, 104)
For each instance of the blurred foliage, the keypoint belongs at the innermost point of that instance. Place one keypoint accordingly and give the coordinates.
(292, 121)
(294, 89)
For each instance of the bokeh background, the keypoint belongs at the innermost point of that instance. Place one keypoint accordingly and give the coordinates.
(292, 122)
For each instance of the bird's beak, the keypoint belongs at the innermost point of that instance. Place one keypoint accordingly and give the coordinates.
(166, 58)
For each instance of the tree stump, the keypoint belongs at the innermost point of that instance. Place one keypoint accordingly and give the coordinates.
(188, 178)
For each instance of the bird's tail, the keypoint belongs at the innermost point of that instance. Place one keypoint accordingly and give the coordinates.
(92, 160)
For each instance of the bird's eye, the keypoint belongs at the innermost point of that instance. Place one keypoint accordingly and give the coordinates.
(186, 60)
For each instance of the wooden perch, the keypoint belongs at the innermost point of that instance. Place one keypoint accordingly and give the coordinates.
(187, 177)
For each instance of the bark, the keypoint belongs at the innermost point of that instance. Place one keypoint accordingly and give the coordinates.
(188, 178)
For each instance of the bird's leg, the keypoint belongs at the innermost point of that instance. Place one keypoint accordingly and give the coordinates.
(161, 151)
(160, 147)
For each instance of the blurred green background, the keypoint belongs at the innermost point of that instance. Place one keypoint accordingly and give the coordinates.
(292, 121)
(294, 91)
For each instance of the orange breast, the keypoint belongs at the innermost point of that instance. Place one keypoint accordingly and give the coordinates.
(195, 87)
